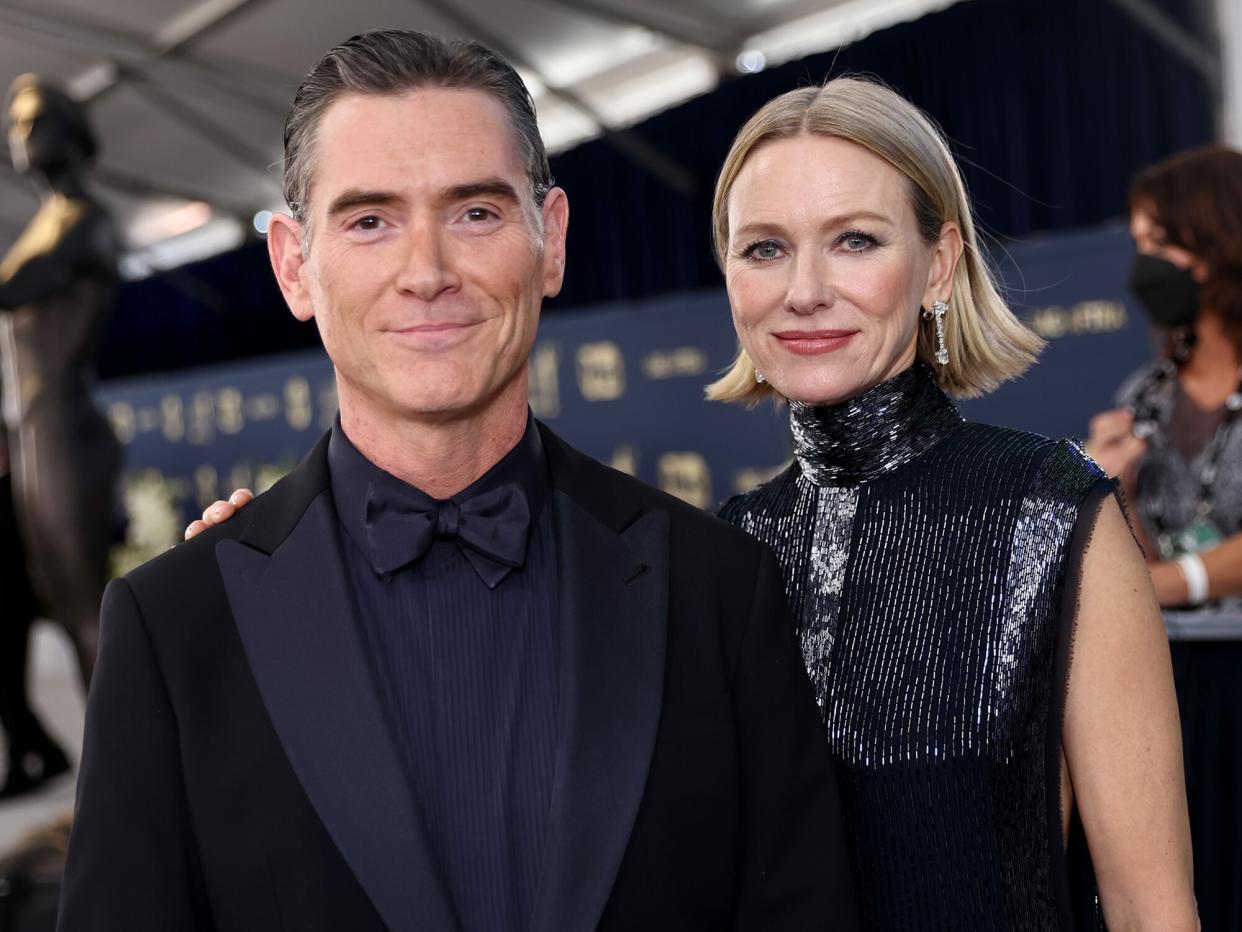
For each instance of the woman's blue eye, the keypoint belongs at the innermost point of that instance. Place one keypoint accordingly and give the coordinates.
(764, 250)
(856, 242)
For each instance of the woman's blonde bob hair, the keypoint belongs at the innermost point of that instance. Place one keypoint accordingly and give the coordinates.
(987, 344)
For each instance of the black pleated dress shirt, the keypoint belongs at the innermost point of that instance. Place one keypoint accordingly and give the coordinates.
(466, 675)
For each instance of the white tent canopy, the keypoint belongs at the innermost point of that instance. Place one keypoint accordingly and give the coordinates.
(1230, 18)
(189, 96)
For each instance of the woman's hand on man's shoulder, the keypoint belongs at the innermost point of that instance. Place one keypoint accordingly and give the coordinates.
(219, 511)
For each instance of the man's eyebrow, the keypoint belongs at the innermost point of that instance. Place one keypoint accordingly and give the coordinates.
(356, 197)
(488, 187)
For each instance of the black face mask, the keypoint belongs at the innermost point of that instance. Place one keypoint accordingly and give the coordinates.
(1169, 295)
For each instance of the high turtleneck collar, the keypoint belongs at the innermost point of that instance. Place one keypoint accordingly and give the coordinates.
(875, 432)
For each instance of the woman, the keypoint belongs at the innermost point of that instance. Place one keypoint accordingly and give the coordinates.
(927, 559)
(939, 571)
(1172, 442)
(1177, 451)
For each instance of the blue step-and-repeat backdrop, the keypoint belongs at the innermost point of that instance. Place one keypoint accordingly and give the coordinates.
(624, 384)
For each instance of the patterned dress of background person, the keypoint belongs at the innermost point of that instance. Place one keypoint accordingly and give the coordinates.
(1208, 673)
(56, 287)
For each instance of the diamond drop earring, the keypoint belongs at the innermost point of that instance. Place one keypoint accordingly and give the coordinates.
(938, 310)
(759, 377)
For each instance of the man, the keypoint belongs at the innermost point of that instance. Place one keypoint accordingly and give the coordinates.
(449, 673)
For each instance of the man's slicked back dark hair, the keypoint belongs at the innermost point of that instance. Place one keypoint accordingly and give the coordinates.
(395, 61)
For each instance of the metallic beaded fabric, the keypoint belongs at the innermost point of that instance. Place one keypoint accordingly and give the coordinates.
(924, 560)
(1168, 483)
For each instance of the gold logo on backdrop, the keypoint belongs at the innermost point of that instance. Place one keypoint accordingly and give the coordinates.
(298, 403)
(241, 476)
(328, 404)
(625, 459)
(667, 364)
(172, 413)
(229, 415)
(268, 474)
(686, 476)
(601, 371)
(148, 420)
(202, 418)
(1084, 317)
(262, 407)
(155, 521)
(545, 380)
(124, 423)
(206, 484)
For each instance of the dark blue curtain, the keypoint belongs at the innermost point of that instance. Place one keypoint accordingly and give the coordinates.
(1051, 105)
(226, 307)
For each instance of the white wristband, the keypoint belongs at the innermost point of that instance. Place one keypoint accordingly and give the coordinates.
(1196, 576)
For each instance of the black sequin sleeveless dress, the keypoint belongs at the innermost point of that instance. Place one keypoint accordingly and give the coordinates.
(931, 565)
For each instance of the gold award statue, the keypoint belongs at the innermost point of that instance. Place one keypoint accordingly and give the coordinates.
(57, 284)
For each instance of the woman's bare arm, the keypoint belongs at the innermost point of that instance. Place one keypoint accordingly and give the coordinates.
(1123, 740)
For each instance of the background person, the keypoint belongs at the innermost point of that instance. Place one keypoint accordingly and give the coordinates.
(1172, 442)
(1176, 445)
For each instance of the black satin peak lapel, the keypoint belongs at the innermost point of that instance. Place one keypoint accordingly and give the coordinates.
(294, 613)
(613, 632)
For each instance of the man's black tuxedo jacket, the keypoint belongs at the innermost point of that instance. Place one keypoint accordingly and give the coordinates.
(238, 772)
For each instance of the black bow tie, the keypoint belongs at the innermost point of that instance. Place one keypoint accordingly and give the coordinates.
(490, 529)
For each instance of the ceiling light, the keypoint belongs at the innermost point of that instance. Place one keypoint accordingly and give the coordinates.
(752, 61)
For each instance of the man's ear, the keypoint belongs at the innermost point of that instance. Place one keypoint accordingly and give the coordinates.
(284, 248)
(555, 213)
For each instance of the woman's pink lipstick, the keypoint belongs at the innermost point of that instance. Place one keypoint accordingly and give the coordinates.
(813, 342)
